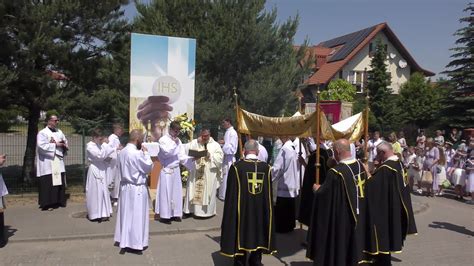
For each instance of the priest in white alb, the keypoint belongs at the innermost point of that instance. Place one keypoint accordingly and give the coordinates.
(131, 230)
(201, 186)
(98, 203)
(113, 177)
(169, 191)
(51, 148)
(229, 146)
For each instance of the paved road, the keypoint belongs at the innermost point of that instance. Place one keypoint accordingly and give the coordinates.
(446, 237)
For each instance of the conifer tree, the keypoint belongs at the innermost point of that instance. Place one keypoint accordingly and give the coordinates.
(378, 83)
(459, 105)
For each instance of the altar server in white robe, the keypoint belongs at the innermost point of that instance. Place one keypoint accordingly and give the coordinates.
(51, 148)
(3, 193)
(285, 173)
(132, 227)
(229, 146)
(98, 202)
(202, 180)
(113, 177)
(169, 192)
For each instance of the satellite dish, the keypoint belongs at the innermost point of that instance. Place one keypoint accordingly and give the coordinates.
(392, 55)
(402, 63)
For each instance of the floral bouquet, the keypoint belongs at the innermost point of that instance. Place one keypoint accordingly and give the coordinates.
(187, 127)
(185, 135)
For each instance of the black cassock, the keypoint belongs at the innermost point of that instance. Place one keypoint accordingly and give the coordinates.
(247, 222)
(307, 194)
(336, 234)
(390, 212)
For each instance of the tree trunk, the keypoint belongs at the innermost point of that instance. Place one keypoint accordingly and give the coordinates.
(29, 170)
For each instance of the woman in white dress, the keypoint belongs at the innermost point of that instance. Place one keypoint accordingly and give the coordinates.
(441, 171)
(99, 207)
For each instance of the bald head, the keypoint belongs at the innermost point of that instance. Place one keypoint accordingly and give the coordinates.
(136, 135)
(342, 149)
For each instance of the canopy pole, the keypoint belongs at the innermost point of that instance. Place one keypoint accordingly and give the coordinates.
(366, 129)
(300, 153)
(318, 135)
(237, 122)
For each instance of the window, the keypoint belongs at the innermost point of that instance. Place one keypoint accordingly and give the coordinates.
(357, 79)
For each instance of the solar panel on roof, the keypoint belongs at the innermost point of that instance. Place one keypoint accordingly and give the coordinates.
(350, 42)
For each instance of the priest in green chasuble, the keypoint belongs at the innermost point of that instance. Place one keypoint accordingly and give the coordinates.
(202, 181)
(247, 228)
(336, 234)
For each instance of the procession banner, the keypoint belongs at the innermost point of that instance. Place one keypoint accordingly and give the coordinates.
(162, 72)
(351, 128)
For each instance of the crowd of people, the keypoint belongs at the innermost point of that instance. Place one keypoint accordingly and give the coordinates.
(360, 211)
(434, 163)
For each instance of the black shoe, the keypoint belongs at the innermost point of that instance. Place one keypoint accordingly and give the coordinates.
(187, 215)
(176, 219)
(165, 221)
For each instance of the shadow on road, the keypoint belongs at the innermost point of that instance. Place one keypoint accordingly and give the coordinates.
(9, 232)
(287, 245)
(452, 227)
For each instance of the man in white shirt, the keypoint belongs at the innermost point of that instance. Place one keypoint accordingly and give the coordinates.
(372, 147)
(51, 148)
(131, 230)
(285, 173)
(229, 147)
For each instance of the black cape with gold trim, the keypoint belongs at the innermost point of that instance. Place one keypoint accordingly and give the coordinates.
(247, 222)
(307, 194)
(336, 235)
(390, 212)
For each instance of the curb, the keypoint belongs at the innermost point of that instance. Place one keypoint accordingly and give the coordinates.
(111, 236)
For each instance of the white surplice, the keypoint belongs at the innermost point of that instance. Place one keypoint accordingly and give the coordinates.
(300, 167)
(262, 153)
(229, 148)
(47, 151)
(113, 177)
(132, 227)
(169, 191)
(97, 194)
(212, 170)
(285, 171)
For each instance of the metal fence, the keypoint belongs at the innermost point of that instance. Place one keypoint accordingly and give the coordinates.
(13, 143)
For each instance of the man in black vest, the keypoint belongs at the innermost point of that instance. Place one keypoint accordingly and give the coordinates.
(389, 207)
(336, 233)
(247, 222)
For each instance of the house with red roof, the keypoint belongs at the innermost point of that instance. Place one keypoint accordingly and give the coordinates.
(349, 56)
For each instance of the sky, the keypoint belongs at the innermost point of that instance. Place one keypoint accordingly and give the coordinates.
(425, 27)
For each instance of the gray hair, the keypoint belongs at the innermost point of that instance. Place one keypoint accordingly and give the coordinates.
(251, 145)
(384, 146)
